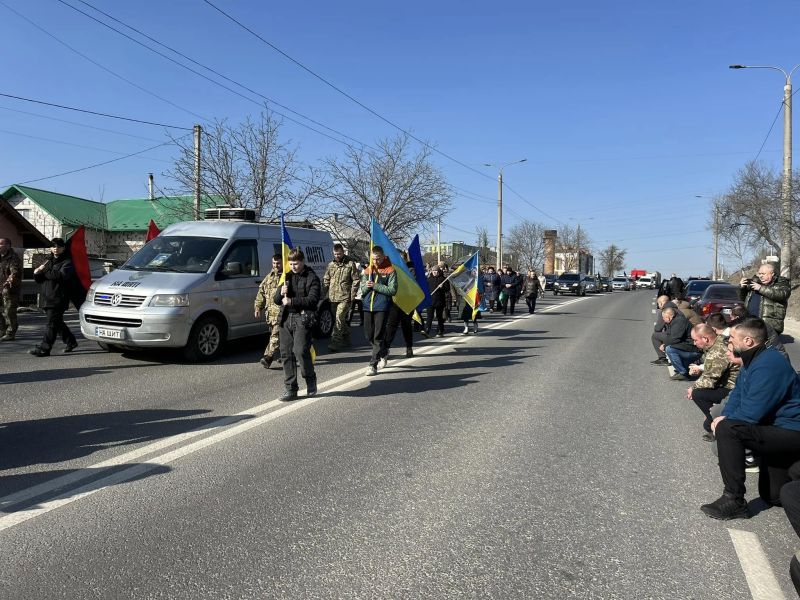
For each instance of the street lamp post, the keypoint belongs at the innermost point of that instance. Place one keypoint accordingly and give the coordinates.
(500, 206)
(786, 187)
(715, 234)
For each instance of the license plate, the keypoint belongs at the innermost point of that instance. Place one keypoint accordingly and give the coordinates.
(726, 311)
(114, 334)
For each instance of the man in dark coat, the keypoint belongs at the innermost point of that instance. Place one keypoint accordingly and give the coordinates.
(438, 301)
(767, 296)
(56, 275)
(531, 290)
(298, 297)
(491, 285)
(675, 287)
(510, 285)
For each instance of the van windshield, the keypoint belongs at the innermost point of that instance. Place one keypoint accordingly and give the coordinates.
(179, 254)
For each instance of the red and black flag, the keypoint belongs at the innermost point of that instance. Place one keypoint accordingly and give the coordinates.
(76, 250)
(152, 231)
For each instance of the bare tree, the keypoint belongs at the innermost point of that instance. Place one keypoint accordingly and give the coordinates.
(570, 242)
(405, 193)
(249, 166)
(613, 260)
(526, 243)
(482, 241)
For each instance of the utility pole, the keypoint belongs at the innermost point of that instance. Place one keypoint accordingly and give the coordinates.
(499, 220)
(786, 184)
(715, 274)
(438, 240)
(197, 174)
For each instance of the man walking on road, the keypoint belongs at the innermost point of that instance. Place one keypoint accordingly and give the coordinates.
(298, 296)
(57, 278)
(378, 285)
(340, 284)
(762, 414)
(264, 299)
(10, 290)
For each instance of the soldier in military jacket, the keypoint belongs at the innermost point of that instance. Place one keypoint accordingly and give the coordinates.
(340, 283)
(10, 289)
(266, 292)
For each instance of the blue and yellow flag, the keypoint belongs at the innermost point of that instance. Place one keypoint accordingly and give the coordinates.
(286, 247)
(466, 281)
(409, 294)
(415, 256)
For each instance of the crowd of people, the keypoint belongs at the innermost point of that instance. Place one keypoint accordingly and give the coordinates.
(743, 383)
(290, 308)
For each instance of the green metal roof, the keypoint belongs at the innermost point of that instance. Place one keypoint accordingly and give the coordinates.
(118, 215)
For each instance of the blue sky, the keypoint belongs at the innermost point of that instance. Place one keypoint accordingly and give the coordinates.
(626, 110)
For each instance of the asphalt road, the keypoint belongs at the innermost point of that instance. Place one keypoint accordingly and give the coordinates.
(542, 458)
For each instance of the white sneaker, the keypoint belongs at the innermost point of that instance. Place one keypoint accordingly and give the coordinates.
(383, 362)
(466, 330)
(371, 370)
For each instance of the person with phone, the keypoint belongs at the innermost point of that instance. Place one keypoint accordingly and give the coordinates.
(766, 296)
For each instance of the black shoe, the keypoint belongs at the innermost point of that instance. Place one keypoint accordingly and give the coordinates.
(427, 334)
(289, 395)
(266, 361)
(708, 436)
(311, 388)
(37, 351)
(726, 508)
(409, 352)
(679, 377)
(70, 347)
(659, 361)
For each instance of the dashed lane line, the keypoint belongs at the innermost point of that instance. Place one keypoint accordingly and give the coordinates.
(234, 426)
(757, 571)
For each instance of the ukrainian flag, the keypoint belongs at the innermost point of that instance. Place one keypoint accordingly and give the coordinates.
(465, 280)
(409, 294)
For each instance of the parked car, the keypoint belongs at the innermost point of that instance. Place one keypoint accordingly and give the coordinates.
(592, 285)
(549, 281)
(570, 283)
(718, 298)
(606, 284)
(695, 288)
(621, 283)
(645, 283)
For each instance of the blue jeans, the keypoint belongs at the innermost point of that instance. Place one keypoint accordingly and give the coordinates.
(681, 359)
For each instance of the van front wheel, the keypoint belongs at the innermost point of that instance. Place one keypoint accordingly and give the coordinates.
(205, 340)
(325, 318)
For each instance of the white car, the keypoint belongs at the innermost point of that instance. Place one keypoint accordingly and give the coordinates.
(645, 283)
(621, 284)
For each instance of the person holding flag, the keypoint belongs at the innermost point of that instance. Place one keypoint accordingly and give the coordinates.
(56, 275)
(378, 285)
(298, 296)
(467, 283)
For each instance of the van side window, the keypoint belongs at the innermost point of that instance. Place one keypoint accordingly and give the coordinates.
(241, 260)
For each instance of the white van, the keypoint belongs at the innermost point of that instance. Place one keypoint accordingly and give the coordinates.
(193, 287)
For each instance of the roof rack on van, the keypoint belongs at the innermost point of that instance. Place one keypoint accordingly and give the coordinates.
(230, 213)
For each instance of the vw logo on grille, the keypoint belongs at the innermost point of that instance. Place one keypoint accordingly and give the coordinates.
(116, 299)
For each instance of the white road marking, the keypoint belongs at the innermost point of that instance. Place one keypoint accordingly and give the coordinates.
(341, 382)
(757, 571)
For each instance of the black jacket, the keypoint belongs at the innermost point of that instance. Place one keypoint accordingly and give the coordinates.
(675, 288)
(438, 297)
(57, 281)
(513, 279)
(304, 290)
(679, 333)
(532, 287)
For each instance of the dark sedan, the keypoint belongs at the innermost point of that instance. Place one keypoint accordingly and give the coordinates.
(718, 298)
(695, 288)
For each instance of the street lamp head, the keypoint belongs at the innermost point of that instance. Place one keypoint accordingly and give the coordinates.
(524, 160)
(737, 67)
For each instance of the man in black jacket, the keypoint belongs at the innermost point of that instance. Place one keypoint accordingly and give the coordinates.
(510, 284)
(56, 276)
(659, 335)
(298, 297)
(678, 344)
(675, 287)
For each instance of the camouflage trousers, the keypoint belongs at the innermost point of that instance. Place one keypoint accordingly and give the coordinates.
(341, 330)
(8, 314)
(274, 340)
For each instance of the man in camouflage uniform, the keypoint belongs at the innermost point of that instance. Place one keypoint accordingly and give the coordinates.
(340, 283)
(266, 292)
(717, 375)
(10, 290)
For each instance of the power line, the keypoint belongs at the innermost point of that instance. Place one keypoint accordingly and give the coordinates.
(92, 112)
(52, 141)
(87, 126)
(100, 164)
(97, 64)
(532, 205)
(199, 64)
(207, 78)
(343, 93)
(766, 137)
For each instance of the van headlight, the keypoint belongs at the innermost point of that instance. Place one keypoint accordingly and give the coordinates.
(90, 293)
(170, 300)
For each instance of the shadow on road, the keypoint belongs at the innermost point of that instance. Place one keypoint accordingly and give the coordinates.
(64, 373)
(60, 439)
(68, 482)
(414, 385)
